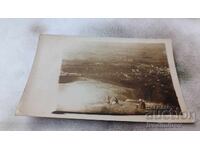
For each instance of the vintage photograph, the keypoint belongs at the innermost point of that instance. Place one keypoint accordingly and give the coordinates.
(117, 79)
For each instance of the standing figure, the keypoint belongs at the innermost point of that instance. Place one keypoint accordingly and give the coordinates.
(142, 104)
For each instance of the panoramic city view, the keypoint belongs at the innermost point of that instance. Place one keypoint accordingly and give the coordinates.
(132, 80)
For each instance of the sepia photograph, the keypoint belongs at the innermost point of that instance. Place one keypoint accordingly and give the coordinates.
(120, 79)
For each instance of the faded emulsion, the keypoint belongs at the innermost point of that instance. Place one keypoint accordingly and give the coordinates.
(117, 80)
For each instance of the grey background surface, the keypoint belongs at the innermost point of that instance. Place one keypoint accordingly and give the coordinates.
(18, 43)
